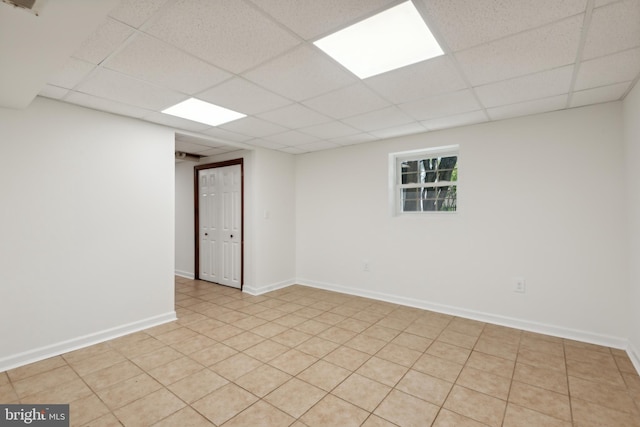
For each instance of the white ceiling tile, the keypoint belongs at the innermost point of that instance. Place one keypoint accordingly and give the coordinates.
(155, 61)
(465, 23)
(103, 41)
(124, 89)
(33, 46)
(301, 74)
(189, 147)
(524, 53)
(426, 78)
(243, 96)
(409, 129)
(226, 135)
(263, 143)
(294, 116)
(317, 146)
(313, 18)
(446, 104)
(291, 137)
(464, 119)
(254, 127)
(529, 107)
(379, 119)
(330, 130)
(107, 105)
(72, 73)
(136, 12)
(354, 139)
(600, 94)
(598, 3)
(613, 28)
(526, 88)
(54, 92)
(517, 54)
(230, 34)
(175, 122)
(197, 140)
(348, 101)
(606, 70)
(292, 150)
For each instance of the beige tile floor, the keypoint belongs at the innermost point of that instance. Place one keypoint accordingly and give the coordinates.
(306, 357)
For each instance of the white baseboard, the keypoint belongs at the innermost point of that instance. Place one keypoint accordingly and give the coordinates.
(259, 290)
(542, 328)
(185, 274)
(37, 354)
(634, 355)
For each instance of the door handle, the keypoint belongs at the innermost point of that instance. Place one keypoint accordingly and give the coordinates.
(232, 236)
(206, 234)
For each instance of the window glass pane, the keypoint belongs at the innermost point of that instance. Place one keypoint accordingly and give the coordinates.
(410, 199)
(448, 162)
(410, 178)
(410, 172)
(446, 168)
(428, 170)
(429, 196)
(448, 198)
(438, 198)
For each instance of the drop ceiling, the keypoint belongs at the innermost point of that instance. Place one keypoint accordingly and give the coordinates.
(503, 58)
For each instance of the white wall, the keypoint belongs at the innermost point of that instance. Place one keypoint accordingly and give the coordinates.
(87, 248)
(274, 213)
(185, 261)
(540, 197)
(631, 108)
(269, 242)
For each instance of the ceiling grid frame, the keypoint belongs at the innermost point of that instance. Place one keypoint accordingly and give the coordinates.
(362, 106)
(583, 39)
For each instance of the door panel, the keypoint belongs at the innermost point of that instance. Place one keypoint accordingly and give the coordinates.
(208, 234)
(220, 225)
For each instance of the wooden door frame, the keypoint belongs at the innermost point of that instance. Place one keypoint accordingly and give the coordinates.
(196, 192)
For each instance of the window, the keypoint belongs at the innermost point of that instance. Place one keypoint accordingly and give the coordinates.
(426, 180)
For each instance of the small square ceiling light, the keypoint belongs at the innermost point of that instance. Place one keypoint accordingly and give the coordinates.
(391, 39)
(203, 112)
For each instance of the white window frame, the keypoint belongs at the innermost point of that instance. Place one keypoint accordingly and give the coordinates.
(395, 174)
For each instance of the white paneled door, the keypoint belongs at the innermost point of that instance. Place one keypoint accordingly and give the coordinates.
(220, 225)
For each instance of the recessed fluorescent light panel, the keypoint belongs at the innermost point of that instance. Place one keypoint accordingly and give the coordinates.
(203, 112)
(391, 39)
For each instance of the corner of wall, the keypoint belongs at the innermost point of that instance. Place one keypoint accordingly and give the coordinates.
(259, 290)
(631, 126)
(634, 355)
(185, 274)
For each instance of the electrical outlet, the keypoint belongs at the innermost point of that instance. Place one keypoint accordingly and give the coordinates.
(519, 285)
(365, 265)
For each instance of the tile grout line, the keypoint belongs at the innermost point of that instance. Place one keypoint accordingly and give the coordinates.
(566, 369)
(348, 308)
